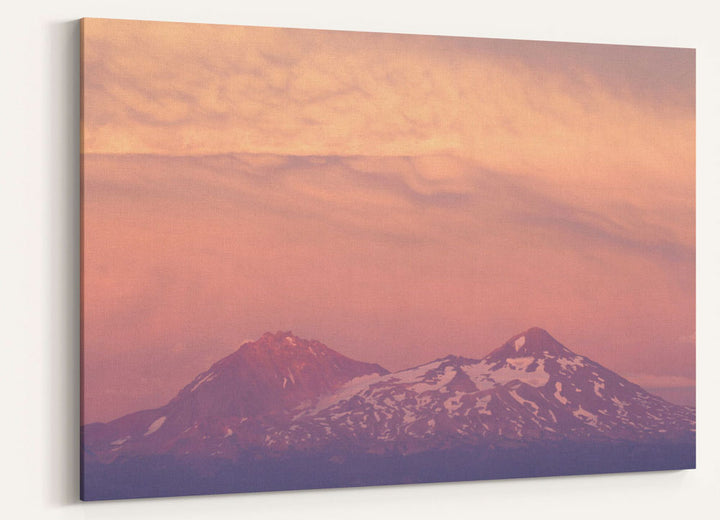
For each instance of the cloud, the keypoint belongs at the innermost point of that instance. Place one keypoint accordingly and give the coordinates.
(580, 113)
(662, 381)
(399, 197)
(380, 257)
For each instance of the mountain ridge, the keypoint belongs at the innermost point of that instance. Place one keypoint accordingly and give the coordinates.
(282, 393)
(283, 412)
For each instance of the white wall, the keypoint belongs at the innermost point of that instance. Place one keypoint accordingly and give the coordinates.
(39, 275)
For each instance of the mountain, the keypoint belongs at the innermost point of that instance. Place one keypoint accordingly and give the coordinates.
(282, 398)
(531, 388)
(240, 396)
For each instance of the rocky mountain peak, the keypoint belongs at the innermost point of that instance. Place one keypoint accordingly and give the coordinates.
(535, 342)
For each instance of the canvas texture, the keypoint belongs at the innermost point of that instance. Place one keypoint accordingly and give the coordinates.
(317, 259)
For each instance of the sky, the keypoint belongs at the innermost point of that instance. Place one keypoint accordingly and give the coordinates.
(397, 197)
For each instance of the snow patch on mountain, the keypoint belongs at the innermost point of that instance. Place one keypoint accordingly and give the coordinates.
(585, 416)
(597, 386)
(530, 405)
(488, 376)
(454, 402)
(355, 386)
(208, 377)
(409, 417)
(414, 374)
(155, 426)
(481, 405)
(437, 381)
(558, 395)
(571, 363)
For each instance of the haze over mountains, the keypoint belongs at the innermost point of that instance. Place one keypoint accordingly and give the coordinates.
(282, 397)
(348, 249)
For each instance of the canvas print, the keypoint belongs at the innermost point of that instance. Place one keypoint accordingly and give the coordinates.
(316, 259)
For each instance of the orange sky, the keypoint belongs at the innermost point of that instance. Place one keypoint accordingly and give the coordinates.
(396, 197)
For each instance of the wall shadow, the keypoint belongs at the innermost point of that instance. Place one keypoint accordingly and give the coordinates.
(62, 360)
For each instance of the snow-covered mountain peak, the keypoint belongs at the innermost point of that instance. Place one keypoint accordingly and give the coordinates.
(534, 342)
(280, 339)
(284, 393)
